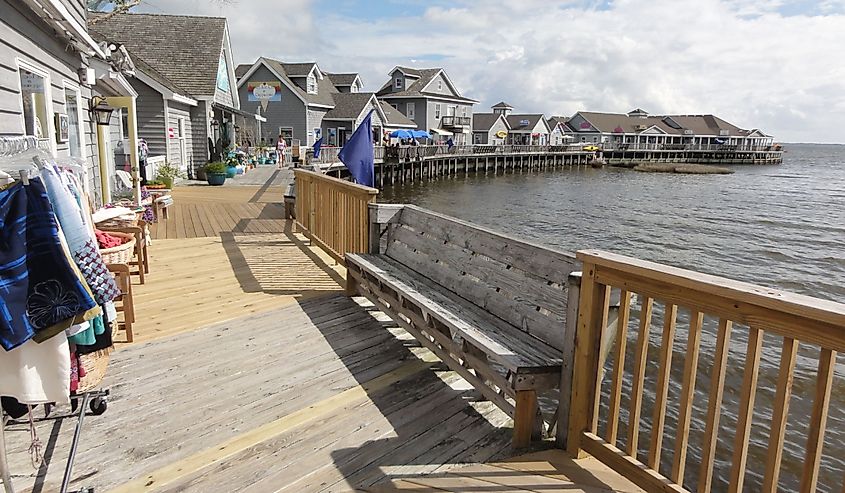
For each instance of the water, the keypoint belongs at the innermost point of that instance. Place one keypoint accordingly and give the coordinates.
(780, 226)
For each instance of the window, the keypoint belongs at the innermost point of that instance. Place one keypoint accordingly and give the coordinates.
(398, 83)
(180, 127)
(312, 84)
(395, 106)
(464, 111)
(35, 100)
(124, 124)
(439, 84)
(354, 88)
(287, 134)
(411, 110)
(436, 111)
(75, 131)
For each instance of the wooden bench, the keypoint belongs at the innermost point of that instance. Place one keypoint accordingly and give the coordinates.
(492, 307)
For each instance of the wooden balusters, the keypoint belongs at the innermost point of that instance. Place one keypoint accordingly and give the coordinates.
(687, 398)
(618, 366)
(333, 212)
(780, 409)
(640, 355)
(746, 409)
(818, 420)
(659, 416)
(714, 406)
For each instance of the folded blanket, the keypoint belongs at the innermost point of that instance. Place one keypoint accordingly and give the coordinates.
(105, 240)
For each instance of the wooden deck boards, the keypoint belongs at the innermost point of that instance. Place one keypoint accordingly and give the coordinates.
(250, 371)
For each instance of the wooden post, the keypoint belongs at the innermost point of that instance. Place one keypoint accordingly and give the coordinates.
(587, 354)
(523, 419)
(572, 299)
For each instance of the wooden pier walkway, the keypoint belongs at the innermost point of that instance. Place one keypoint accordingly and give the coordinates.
(251, 371)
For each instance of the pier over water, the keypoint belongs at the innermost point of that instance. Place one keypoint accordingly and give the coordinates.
(414, 163)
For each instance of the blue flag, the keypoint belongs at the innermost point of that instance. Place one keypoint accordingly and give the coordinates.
(357, 154)
(450, 143)
(317, 146)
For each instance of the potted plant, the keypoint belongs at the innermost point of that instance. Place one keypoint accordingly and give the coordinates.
(215, 173)
(167, 172)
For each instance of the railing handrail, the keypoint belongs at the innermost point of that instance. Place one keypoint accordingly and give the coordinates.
(337, 182)
(333, 213)
(757, 310)
(748, 295)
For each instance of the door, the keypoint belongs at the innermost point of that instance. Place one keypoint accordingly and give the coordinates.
(411, 111)
(341, 136)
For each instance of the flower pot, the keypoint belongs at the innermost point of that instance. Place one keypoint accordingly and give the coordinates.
(262, 160)
(215, 179)
(239, 170)
(231, 171)
(199, 174)
(168, 181)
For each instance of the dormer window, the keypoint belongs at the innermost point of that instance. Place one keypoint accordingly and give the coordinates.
(398, 83)
(312, 84)
(354, 87)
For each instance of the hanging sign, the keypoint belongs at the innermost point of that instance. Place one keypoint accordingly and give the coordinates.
(264, 92)
(171, 133)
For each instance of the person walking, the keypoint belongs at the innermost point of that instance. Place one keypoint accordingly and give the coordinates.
(281, 146)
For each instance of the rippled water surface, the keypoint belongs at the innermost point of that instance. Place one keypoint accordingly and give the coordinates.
(780, 226)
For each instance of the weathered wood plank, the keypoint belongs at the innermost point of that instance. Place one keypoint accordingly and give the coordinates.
(543, 261)
(505, 344)
(628, 466)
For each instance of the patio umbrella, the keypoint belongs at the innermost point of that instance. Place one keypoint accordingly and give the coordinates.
(402, 134)
(420, 134)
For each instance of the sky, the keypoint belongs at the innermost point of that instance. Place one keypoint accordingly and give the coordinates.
(776, 65)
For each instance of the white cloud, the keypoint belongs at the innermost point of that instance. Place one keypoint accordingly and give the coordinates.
(747, 63)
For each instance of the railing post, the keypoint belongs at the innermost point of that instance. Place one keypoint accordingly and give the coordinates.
(586, 373)
(572, 300)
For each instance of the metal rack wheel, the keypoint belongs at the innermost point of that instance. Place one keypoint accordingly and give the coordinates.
(98, 405)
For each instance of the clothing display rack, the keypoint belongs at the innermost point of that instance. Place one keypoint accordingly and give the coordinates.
(13, 167)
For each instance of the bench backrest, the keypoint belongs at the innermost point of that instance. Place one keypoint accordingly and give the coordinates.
(519, 282)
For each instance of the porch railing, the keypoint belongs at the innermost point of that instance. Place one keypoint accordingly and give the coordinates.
(704, 305)
(333, 213)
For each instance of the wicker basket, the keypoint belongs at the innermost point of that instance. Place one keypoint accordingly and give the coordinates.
(119, 222)
(95, 365)
(120, 254)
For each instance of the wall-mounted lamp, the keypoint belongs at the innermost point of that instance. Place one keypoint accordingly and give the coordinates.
(99, 111)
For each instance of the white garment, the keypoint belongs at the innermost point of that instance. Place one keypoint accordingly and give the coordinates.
(76, 329)
(36, 373)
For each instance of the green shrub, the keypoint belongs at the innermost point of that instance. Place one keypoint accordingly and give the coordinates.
(215, 168)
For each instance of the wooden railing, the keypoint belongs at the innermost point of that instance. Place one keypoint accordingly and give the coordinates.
(704, 304)
(333, 213)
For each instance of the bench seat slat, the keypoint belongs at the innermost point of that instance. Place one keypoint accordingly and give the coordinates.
(505, 344)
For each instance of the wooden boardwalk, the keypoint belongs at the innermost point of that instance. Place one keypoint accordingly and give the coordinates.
(252, 372)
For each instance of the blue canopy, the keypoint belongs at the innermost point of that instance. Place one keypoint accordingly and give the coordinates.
(420, 134)
(402, 134)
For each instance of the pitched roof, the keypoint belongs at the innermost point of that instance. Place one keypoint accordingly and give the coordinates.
(483, 122)
(394, 117)
(515, 121)
(342, 79)
(416, 88)
(502, 104)
(184, 50)
(622, 123)
(298, 69)
(554, 121)
(325, 88)
(242, 69)
(348, 105)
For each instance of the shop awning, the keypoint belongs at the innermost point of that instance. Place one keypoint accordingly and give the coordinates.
(245, 114)
(440, 131)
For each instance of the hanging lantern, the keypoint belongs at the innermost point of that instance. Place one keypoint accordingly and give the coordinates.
(99, 111)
